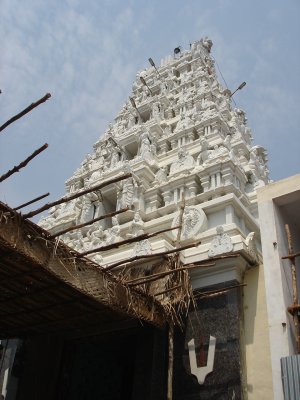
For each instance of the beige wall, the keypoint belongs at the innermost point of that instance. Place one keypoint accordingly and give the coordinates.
(256, 337)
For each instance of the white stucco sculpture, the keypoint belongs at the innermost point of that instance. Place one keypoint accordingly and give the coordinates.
(221, 243)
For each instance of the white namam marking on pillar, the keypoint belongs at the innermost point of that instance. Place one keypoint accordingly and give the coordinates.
(202, 372)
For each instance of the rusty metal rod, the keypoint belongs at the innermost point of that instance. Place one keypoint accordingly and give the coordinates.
(291, 256)
(23, 163)
(294, 285)
(32, 201)
(127, 241)
(25, 111)
(72, 228)
(74, 196)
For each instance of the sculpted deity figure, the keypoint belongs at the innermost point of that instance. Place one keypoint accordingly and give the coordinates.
(96, 237)
(161, 176)
(115, 158)
(204, 152)
(164, 88)
(183, 162)
(184, 123)
(194, 221)
(142, 248)
(77, 241)
(221, 243)
(113, 234)
(137, 226)
(257, 165)
(133, 118)
(189, 221)
(145, 93)
(242, 157)
(126, 195)
(99, 157)
(112, 153)
(87, 211)
(232, 151)
(145, 144)
(156, 110)
(207, 44)
(219, 150)
(96, 175)
(147, 147)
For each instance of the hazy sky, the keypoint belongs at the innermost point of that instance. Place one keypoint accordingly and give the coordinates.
(87, 54)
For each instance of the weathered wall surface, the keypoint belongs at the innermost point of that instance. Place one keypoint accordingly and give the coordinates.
(256, 337)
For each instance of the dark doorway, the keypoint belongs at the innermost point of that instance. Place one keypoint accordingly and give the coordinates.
(98, 368)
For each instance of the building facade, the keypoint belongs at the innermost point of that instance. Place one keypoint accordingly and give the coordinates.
(279, 204)
(191, 157)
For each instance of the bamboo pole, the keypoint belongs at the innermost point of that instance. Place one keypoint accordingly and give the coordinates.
(168, 290)
(23, 163)
(127, 241)
(76, 195)
(170, 361)
(159, 275)
(72, 228)
(171, 326)
(25, 111)
(218, 291)
(164, 253)
(32, 201)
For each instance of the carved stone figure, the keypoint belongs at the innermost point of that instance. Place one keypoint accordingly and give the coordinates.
(87, 212)
(96, 237)
(137, 226)
(218, 151)
(194, 221)
(251, 246)
(184, 162)
(145, 144)
(133, 118)
(126, 193)
(113, 234)
(95, 176)
(142, 248)
(156, 110)
(204, 153)
(147, 147)
(184, 123)
(257, 165)
(99, 161)
(161, 176)
(145, 93)
(221, 243)
(115, 158)
(207, 44)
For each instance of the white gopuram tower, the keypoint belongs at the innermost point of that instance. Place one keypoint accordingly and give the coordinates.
(184, 144)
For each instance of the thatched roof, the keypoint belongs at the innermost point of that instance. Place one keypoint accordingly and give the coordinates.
(45, 287)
